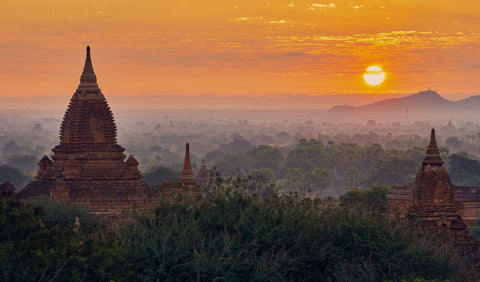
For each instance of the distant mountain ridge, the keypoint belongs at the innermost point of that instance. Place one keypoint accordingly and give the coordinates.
(424, 105)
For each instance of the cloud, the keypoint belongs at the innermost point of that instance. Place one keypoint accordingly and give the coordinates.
(316, 6)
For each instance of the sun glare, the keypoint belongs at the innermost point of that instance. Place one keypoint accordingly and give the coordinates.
(374, 75)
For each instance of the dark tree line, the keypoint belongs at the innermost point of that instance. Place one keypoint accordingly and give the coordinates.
(230, 234)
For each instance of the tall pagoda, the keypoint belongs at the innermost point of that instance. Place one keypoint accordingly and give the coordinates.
(89, 167)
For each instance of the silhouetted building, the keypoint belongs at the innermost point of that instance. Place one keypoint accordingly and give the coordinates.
(430, 200)
(204, 179)
(89, 167)
(187, 184)
(187, 177)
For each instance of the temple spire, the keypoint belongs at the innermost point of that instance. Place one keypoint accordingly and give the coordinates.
(433, 154)
(187, 173)
(88, 80)
(203, 176)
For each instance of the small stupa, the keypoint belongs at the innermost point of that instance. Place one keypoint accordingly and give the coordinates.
(187, 177)
(187, 182)
(204, 178)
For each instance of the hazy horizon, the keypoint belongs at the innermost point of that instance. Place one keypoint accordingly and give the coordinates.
(208, 102)
(239, 49)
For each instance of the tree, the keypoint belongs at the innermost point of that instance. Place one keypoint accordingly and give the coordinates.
(393, 171)
(351, 177)
(233, 236)
(158, 175)
(38, 245)
(317, 180)
(453, 143)
(307, 155)
(463, 170)
(295, 179)
(475, 230)
(375, 198)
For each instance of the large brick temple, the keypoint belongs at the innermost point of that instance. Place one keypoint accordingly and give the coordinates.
(433, 200)
(466, 199)
(89, 167)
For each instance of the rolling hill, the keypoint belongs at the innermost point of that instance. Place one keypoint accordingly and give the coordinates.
(425, 105)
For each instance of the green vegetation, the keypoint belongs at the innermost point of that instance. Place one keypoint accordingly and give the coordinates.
(38, 244)
(312, 167)
(158, 175)
(463, 170)
(374, 198)
(232, 234)
(475, 230)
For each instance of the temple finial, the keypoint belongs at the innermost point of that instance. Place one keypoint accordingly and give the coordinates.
(187, 163)
(88, 68)
(187, 175)
(433, 141)
(88, 80)
(433, 154)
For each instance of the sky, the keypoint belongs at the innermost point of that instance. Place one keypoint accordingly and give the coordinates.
(245, 48)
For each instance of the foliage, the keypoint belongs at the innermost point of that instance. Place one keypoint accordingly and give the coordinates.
(299, 182)
(59, 213)
(393, 171)
(375, 198)
(34, 247)
(257, 182)
(475, 230)
(236, 237)
(462, 170)
(313, 167)
(231, 234)
(158, 175)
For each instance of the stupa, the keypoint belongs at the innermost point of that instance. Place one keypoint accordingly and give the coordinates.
(186, 184)
(432, 202)
(204, 178)
(89, 167)
(187, 177)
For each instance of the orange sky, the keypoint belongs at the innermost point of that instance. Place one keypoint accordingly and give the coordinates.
(239, 47)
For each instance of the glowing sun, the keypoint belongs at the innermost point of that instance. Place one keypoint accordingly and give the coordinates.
(374, 75)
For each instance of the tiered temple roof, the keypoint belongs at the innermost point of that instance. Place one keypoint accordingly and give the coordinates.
(187, 183)
(187, 176)
(204, 178)
(88, 166)
(430, 199)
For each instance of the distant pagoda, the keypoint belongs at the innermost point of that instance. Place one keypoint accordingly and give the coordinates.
(186, 184)
(89, 167)
(204, 178)
(187, 177)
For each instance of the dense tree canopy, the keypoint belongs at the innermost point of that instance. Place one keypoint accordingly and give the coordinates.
(463, 170)
(314, 167)
(236, 237)
(231, 234)
(38, 242)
